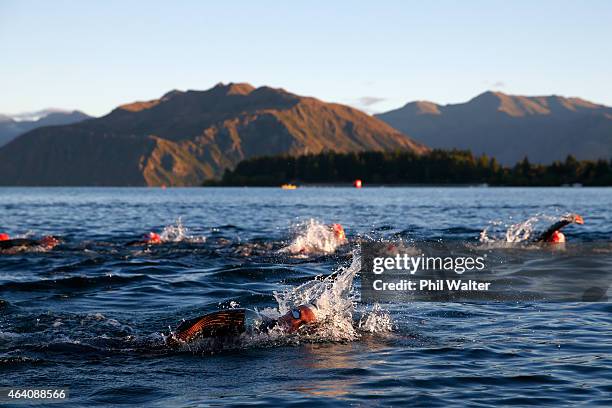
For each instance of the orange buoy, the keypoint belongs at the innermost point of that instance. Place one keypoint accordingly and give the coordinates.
(288, 186)
(357, 183)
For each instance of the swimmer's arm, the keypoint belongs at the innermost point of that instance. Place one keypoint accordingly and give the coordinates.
(551, 230)
(221, 323)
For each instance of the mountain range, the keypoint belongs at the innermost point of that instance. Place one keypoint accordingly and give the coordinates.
(12, 126)
(510, 127)
(184, 138)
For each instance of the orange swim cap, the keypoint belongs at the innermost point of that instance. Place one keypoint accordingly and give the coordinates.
(153, 238)
(557, 237)
(339, 232)
(298, 317)
(308, 313)
(4, 237)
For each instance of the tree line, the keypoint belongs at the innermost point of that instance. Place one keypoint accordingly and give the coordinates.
(401, 167)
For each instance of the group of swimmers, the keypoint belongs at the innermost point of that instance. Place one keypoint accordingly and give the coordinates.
(234, 322)
(336, 232)
(49, 242)
(552, 234)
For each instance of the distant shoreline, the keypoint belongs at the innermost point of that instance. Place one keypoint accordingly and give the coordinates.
(403, 168)
(299, 186)
(377, 185)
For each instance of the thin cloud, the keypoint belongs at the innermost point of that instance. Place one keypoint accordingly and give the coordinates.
(499, 84)
(369, 100)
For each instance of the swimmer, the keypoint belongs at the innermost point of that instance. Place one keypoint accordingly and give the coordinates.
(47, 242)
(318, 238)
(152, 238)
(234, 322)
(553, 233)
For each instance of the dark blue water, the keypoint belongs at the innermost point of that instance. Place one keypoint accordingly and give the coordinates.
(88, 314)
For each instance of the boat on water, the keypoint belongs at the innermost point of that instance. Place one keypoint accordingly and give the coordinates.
(288, 186)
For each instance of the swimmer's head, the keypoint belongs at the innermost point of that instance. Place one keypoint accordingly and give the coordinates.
(4, 237)
(339, 232)
(298, 317)
(49, 241)
(577, 219)
(557, 237)
(153, 238)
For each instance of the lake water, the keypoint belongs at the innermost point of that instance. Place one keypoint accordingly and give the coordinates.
(89, 314)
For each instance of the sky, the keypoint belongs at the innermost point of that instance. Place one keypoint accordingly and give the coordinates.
(375, 56)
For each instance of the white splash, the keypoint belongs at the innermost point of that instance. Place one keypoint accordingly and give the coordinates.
(516, 232)
(177, 232)
(521, 231)
(377, 320)
(314, 237)
(334, 298)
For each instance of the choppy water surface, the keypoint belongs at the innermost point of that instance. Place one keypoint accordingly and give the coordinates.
(91, 314)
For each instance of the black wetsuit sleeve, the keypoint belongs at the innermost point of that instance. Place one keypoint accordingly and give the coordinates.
(18, 242)
(546, 235)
